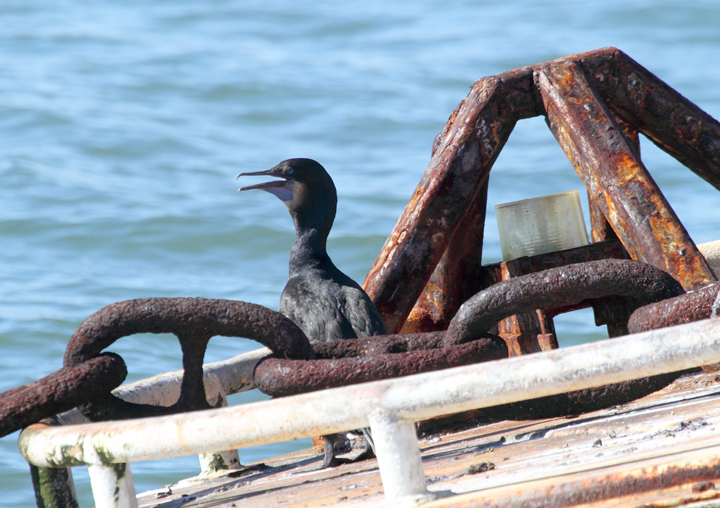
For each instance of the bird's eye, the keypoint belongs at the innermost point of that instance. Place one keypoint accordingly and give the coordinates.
(289, 171)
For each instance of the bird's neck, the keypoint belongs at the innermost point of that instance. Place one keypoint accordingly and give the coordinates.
(309, 250)
(312, 227)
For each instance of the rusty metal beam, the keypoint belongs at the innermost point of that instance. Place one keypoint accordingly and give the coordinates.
(533, 332)
(525, 332)
(613, 173)
(600, 229)
(451, 183)
(456, 277)
(612, 311)
(638, 101)
(530, 264)
(671, 121)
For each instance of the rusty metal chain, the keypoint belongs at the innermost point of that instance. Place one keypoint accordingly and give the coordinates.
(60, 391)
(352, 361)
(686, 308)
(193, 321)
(561, 287)
(88, 376)
(466, 341)
(295, 366)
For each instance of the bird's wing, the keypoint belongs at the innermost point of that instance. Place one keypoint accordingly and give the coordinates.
(362, 313)
(320, 314)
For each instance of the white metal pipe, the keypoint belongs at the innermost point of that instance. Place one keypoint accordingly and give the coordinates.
(234, 374)
(112, 486)
(398, 457)
(221, 379)
(228, 460)
(412, 397)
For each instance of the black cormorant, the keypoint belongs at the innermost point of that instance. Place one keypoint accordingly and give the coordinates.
(324, 302)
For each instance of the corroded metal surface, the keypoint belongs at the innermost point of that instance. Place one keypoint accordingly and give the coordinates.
(492, 274)
(362, 360)
(450, 184)
(378, 345)
(623, 99)
(194, 321)
(88, 377)
(616, 178)
(177, 315)
(560, 287)
(407, 398)
(60, 391)
(456, 276)
(671, 121)
(278, 377)
(527, 332)
(675, 311)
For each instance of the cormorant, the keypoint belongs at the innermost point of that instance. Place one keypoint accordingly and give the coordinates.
(324, 302)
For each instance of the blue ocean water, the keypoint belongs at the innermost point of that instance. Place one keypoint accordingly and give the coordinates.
(123, 125)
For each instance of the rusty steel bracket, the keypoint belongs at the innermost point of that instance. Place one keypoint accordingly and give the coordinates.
(595, 103)
(557, 288)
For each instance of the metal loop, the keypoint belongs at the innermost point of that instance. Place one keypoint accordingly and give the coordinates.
(686, 308)
(351, 361)
(560, 287)
(194, 321)
(60, 391)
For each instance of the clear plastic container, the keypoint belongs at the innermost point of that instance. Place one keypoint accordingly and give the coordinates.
(540, 225)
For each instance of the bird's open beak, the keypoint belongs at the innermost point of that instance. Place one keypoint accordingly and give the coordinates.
(280, 188)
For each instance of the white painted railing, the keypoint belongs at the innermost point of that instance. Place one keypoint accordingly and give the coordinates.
(389, 407)
(220, 379)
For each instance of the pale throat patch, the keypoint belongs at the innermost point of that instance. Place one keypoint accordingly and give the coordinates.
(284, 193)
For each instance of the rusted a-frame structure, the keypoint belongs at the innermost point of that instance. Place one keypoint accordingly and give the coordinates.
(595, 104)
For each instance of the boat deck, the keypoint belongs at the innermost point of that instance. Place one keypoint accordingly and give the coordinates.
(661, 450)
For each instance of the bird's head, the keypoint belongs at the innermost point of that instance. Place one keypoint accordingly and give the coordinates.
(304, 187)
